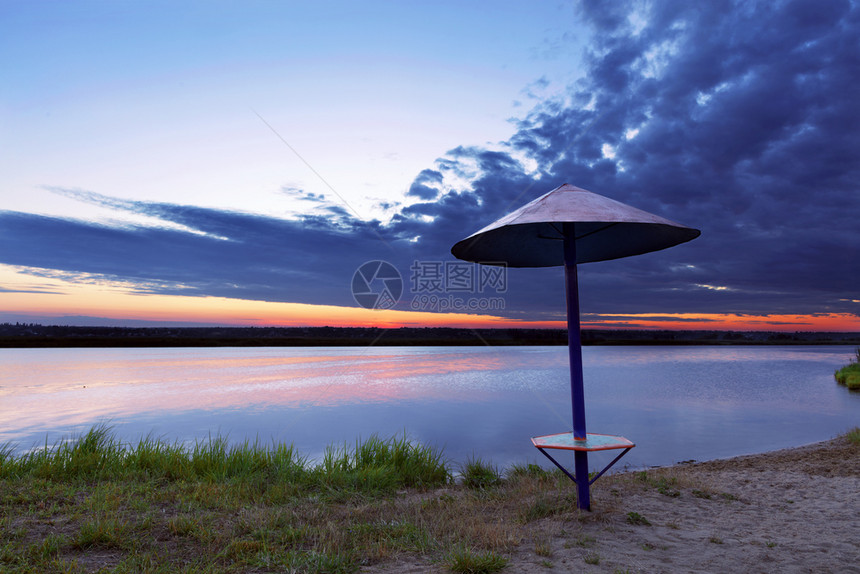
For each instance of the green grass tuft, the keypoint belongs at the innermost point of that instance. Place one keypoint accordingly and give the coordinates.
(466, 561)
(526, 471)
(480, 475)
(637, 519)
(102, 533)
(593, 559)
(378, 465)
(541, 507)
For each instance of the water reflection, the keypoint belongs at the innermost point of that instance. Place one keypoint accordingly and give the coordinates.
(676, 403)
(61, 388)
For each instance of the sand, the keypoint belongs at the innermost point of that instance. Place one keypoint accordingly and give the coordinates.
(796, 510)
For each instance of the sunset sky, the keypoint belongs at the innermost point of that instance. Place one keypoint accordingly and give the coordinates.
(228, 163)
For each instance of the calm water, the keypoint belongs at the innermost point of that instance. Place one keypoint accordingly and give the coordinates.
(675, 403)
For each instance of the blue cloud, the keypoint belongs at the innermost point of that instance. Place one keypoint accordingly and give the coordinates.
(426, 185)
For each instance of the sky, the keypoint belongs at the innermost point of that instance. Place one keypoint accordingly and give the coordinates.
(226, 163)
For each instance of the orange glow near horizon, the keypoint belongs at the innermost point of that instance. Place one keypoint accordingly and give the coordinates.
(725, 322)
(30, 295)
(24, 294)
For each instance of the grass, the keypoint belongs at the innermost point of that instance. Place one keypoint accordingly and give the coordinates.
(637, 519)
(372, 466)
(585, 541)
(849, 375)
(94, 504)
(467, 561)
(667, 486)
(478, 474)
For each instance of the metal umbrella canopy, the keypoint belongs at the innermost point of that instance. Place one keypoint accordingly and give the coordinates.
(567, 226)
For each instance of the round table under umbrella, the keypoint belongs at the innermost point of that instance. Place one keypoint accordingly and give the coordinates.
(567, 226)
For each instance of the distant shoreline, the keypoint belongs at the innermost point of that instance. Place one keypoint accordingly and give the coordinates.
(47, 336)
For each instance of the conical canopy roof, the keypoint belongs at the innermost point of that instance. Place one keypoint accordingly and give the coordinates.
(604, 229)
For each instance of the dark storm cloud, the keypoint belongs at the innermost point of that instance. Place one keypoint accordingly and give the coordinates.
(426, 185)
(741, 119)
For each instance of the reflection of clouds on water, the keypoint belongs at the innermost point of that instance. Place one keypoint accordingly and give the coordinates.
(74, 388)
(675, 403)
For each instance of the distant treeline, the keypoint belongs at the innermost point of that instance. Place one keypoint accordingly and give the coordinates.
(32, 335)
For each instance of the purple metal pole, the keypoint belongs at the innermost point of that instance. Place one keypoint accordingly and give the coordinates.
(574, 349)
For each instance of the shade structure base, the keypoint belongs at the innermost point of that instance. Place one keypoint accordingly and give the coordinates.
(581, 447)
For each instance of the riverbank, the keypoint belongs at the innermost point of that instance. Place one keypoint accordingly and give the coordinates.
(849, 375)
(217, 510)
(50, 336)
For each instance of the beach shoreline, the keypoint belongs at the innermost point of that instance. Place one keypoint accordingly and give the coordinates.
(790, 510)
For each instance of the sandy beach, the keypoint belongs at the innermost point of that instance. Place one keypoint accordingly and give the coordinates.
(795, 510)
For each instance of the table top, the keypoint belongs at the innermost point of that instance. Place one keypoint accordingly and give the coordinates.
(567, 441)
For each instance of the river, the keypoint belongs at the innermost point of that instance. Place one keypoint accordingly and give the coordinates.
(675, 403)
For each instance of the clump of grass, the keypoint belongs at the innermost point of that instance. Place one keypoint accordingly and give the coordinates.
(91, 455)
(543, 547)
(849, 375)
(321, 562)
(530, 470)
(466, 561)
(637, 519)
(541, 507)
(480, 475)
(593, 559)
(182, 525)
(585, 541)
(382, 465)
(103, 533)
(854, 435)
(667, 486)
